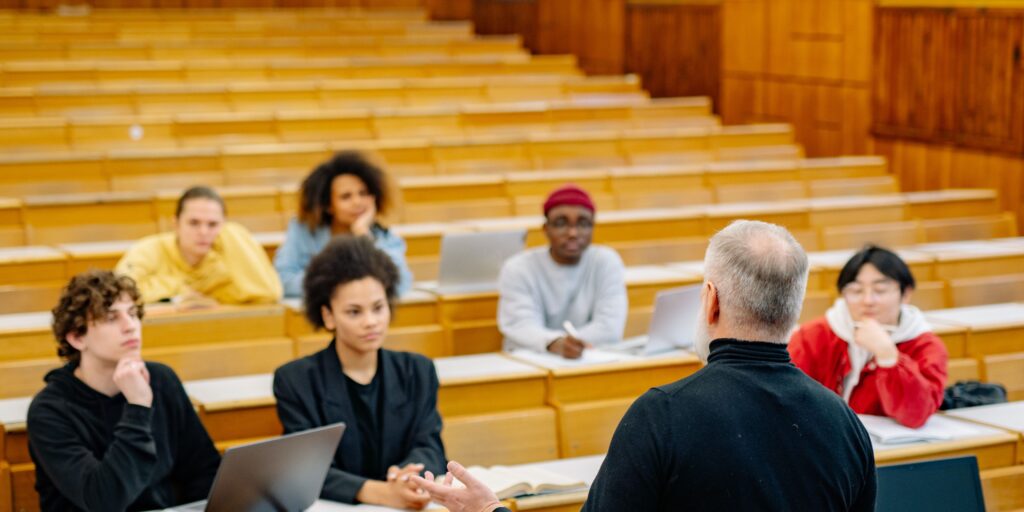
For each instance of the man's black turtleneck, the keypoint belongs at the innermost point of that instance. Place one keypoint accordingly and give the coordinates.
(94, 452)
(749, 431)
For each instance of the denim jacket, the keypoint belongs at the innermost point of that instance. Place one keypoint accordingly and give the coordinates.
(300, 245)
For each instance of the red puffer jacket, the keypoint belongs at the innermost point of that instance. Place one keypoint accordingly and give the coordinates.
(909, 392)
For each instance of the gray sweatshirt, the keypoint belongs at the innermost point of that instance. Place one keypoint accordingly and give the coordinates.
(539, 295)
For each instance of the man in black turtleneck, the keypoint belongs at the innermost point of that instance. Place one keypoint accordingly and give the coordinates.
(749, 431)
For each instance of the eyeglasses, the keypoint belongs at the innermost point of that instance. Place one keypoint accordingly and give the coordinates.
(855, 292)
(562, 225)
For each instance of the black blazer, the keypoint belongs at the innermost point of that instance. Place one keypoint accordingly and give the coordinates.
(311, 392)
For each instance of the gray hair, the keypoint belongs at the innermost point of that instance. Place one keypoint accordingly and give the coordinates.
(760, 272)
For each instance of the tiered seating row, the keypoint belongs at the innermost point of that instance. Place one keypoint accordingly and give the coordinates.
(14, 74)
(84, 30)
(283, 126)
(153, 168)
(307, 47)
(127, 100)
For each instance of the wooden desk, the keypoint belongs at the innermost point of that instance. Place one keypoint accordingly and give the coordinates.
(953, 336)
(494, 410)
(591, 399)
(1003, 487)
(94, 255)
(31, 278)
(1008, 416)
(937, 204)
(482, 398)
(974, 258)
(994, 448)
(833, 211)
(992, 329)
(236, 408)
(14, 440)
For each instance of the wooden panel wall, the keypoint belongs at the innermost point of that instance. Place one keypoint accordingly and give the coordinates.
(805, 62)
(675, 48)
(950, 77)
(925, 166)
(449, 9)
(590, 29)
(948, 102)
(675, 45)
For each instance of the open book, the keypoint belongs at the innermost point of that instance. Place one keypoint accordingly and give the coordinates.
(509, 482)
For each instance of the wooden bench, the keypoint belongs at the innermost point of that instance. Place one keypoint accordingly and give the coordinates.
(205, 129)
(308, 95)
(94, 170)
(17, 74)
(1008, 370)
(992, 329)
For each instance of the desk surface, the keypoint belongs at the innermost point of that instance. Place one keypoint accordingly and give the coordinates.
(250, 390)
(229, 392)
(10, 255)
(991, 316)
(970, 250)
(466, 369)
(14, 411)
(1009, 416)
(25, 321)
(86, 249)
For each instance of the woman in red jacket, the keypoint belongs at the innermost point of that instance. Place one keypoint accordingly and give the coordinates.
(872, 347)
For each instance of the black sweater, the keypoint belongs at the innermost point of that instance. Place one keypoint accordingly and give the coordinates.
(94, 452)
(312, 392)
(749, 431)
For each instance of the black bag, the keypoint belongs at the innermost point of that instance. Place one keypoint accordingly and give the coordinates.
(969, 393)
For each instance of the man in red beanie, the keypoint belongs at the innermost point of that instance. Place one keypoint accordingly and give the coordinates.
(569, 295)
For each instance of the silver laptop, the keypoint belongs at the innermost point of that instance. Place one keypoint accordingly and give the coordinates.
(673, 323)
(284, 473)
(471, 262)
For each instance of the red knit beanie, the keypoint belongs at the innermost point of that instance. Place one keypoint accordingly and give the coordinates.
(568, 195)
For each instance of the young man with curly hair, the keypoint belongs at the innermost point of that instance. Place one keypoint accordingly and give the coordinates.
(111, 431)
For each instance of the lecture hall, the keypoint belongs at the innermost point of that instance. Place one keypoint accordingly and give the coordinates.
(526, 255)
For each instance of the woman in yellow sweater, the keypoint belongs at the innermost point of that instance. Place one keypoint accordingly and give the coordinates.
(204, 258)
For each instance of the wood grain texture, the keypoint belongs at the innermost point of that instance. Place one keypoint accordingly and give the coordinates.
(676, 49)
(807, 63)
(950, 77)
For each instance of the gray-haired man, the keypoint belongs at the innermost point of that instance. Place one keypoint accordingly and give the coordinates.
(749, 431)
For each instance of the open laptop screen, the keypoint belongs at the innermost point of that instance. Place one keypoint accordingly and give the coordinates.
(948, 484)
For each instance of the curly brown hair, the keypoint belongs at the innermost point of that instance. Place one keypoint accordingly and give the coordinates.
(315, 193)
(88, 296)
(343, 260)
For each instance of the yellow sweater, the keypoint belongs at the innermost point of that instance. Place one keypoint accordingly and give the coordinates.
(236, 271)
